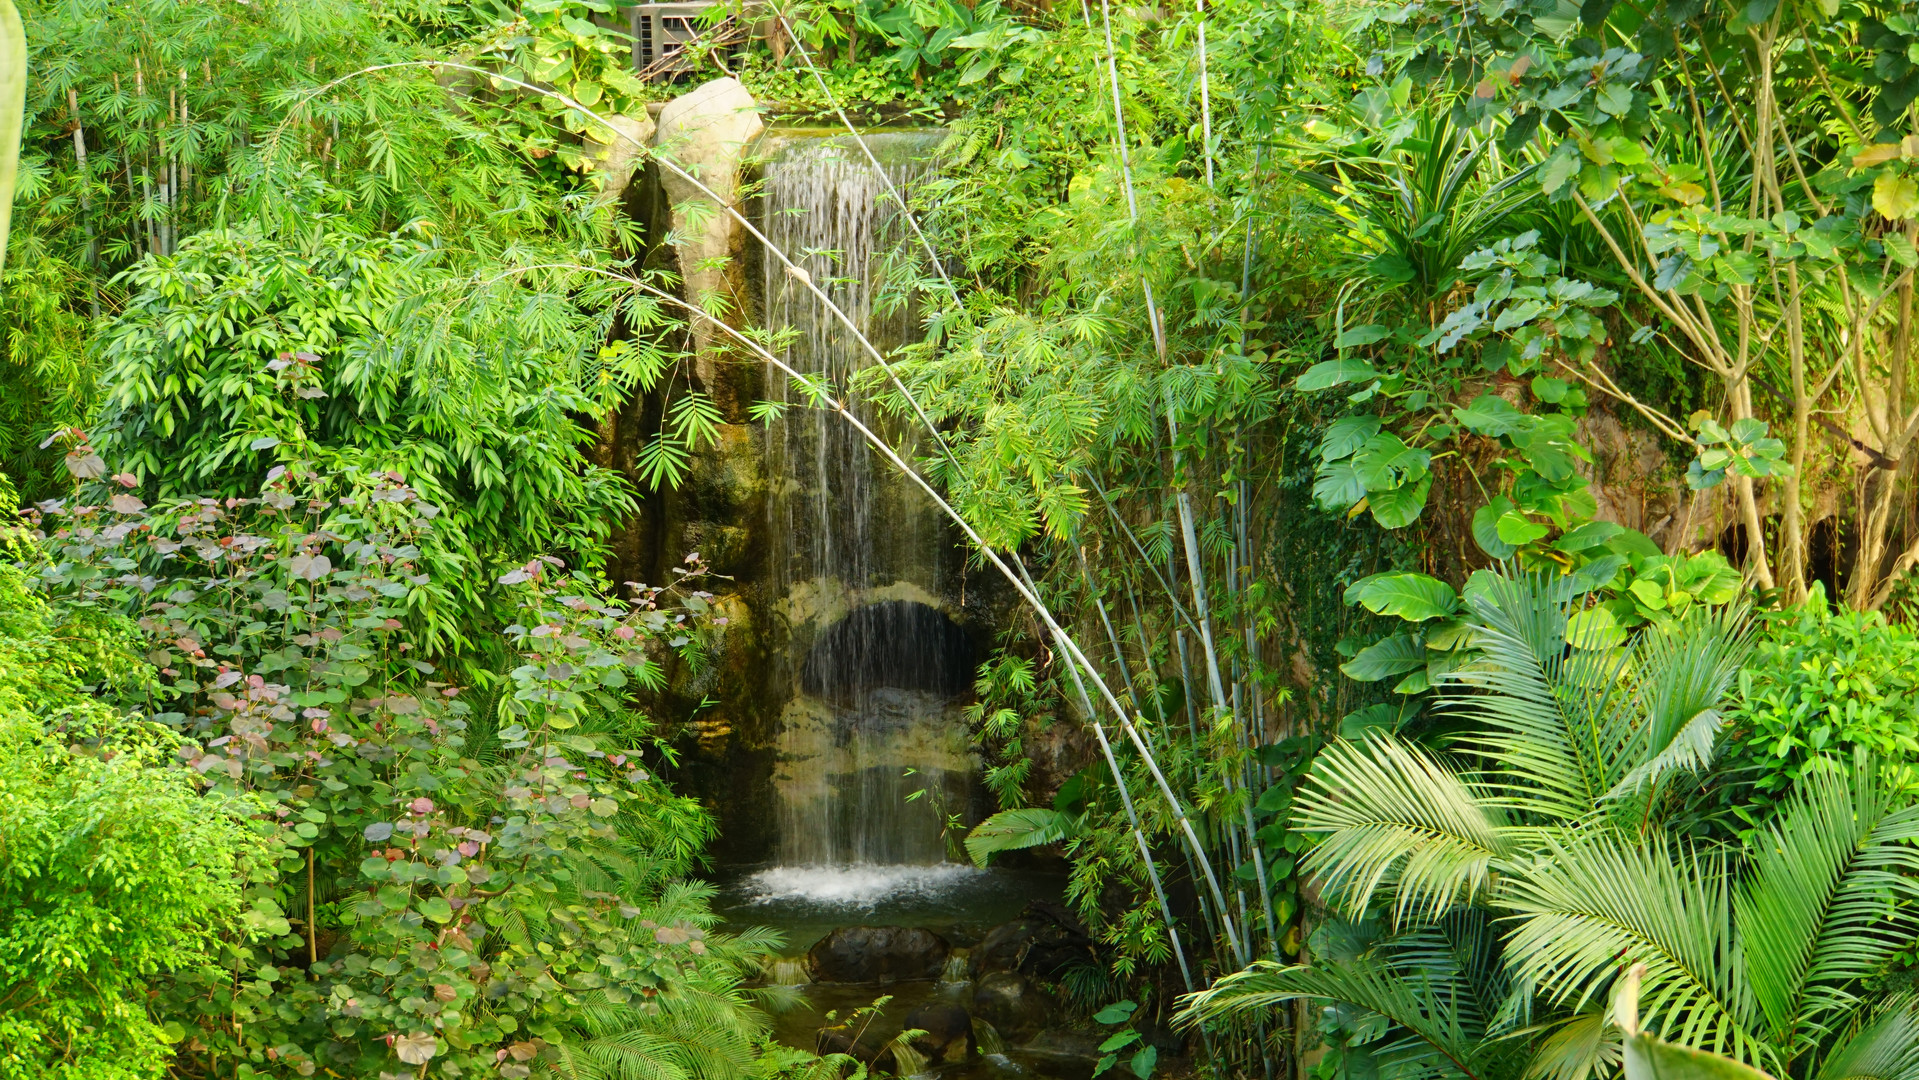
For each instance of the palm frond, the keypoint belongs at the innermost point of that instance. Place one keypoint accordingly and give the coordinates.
(1592, 904)
(1393, 814)
(1684, 673)
(1428, 1016)
(1820, 907)
(1886, 1047)
(1460, 951)
(1551, 715)
(1584, 1046)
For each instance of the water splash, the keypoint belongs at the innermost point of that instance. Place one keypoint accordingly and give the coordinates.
(857, 886)
(908, 1061)
(958, 969)
(787, 971)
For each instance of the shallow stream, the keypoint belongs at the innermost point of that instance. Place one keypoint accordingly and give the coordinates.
(960, 903)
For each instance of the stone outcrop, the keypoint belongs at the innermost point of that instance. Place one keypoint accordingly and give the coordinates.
(949, 1032)
(1016, 1008)
(1045, 941)
(702, 138)
(878, 954)
(613, 161)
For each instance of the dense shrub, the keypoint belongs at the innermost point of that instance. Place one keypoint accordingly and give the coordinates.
(447, 886)
(249, 353)
(112, 869)
(1821, 683)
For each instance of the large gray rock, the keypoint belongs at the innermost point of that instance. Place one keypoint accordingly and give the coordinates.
(702, 137)
(1044, 942)
(878, 954)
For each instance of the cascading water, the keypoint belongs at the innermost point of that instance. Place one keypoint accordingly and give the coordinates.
(873, 755)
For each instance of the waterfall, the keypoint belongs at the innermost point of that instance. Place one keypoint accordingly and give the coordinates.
(907, 1061)
(786, 971)
(989, 1039)
(873, 756)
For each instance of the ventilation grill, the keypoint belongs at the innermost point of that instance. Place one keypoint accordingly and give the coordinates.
(660, 36)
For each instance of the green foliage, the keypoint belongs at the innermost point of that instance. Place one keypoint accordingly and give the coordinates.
(446, 885)
(557, 45)
(152, 121)
(1563, 814)
(245, 357)
(1822, 684)
(1144, 1057)
(114, 869)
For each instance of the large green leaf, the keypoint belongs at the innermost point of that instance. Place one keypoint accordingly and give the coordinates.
(1411, 596)
(1395, 655)
(1400, 506)
(1648, 1058)
(1010, 830)
(1331, 373)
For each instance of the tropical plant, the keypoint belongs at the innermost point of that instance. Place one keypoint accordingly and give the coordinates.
(114, 868)
(1560, 823)
(1762, 212)
(245, 354)
(481, 888)
(1823, 682)
(151, 121)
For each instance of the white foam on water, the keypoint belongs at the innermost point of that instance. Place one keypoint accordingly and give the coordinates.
(857, 884)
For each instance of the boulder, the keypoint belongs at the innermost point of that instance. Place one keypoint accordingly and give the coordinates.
(1013, 1005)
(949, 1032)
(614, 159)
(702, 138)
(1045, 941)
(877, 954)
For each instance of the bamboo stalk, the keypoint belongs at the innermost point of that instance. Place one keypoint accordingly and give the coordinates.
(86, 197)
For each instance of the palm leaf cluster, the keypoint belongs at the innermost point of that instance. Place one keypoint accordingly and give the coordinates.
(1492, 893)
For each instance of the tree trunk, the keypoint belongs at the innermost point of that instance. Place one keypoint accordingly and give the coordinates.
(13, 108)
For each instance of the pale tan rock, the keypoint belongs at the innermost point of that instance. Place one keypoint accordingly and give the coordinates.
(614, 161)
(705, 134)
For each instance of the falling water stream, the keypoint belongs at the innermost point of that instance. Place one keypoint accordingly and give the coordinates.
(873, 754)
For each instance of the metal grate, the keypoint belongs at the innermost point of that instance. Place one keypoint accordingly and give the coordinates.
(661, 33)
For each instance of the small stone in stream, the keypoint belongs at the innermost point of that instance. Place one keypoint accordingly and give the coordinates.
(949, 1032)
(1011, 1004)
(881, 954)
(842, 1039)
